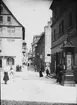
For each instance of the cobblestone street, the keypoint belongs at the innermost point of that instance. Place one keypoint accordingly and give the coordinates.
(32, 103)
(38, 52)
(27, 88)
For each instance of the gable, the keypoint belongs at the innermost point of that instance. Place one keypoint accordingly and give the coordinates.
(6, 13)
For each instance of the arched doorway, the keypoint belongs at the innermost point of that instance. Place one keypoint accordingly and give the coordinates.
(10, 61)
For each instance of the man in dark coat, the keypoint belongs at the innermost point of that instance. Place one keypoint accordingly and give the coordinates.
(47, 72)
(59, 73)
(41, 70)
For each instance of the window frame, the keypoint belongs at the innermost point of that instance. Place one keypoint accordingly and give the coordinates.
(54, 35)
(11, 30)
(9, 19)
(61, 28)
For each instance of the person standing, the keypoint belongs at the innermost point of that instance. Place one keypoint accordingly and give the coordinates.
(59, 73)
(40, 71)
(35, 68)
(47, 70)
(6, 76)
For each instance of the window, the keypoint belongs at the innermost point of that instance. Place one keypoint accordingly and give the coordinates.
(61, 27)
(0, 29)
(1, 19)
(9, 19)
(54, 35)
(11, 29)
(70, 19)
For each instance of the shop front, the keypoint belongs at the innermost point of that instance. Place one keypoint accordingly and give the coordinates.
(69, 55)
(64, 54)
(56, 57)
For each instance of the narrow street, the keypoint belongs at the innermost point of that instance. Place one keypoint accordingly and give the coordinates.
(27, 88)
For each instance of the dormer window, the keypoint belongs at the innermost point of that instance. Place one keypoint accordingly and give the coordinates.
(9, 19)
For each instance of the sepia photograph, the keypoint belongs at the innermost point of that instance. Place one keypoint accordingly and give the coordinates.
(38, 52)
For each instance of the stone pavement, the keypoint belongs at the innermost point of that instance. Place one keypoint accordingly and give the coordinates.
(27, 88)
(8, 102)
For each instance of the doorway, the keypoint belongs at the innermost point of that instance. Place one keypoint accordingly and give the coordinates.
(10, 61)
(0, 62)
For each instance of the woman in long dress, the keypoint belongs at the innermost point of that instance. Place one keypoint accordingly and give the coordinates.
(6, 76)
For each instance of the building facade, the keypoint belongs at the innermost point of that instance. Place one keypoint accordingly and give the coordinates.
(12, 34)
(63, 27)
(40, 52)
(48, 30)
(25, 53)
(34, 44)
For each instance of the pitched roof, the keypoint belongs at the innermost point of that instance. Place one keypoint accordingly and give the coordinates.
(11, 13)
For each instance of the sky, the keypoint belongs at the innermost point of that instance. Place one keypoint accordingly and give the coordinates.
(32, 14)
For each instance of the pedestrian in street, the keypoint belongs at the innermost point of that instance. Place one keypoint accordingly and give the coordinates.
(59, 73)
(47, 69)
(47, 72)
(35, 68)
(28, 63)
(40, 71)
(6, 76)
(75, 72)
